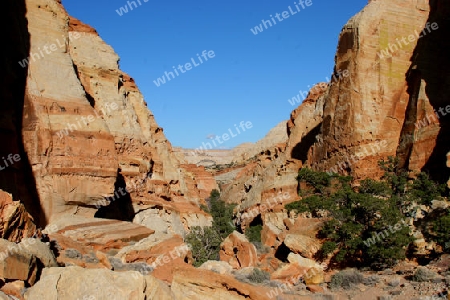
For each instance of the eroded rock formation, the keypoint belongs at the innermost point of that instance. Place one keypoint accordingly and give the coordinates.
(90, 138)
(391, 92)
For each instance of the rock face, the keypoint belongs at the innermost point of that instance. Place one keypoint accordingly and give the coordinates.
(385, 106)
(77, 283)
(264, 186)
(90, 138)
(15, 222)
(193, 284)
(238, 251)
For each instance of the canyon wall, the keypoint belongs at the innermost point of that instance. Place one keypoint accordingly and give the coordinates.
(90, 139)
(385, 106)
(386, 84)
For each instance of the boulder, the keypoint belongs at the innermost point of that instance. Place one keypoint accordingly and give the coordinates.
(304, 245)
(15, 222)
(16, 263)
(161, 251)
(197, 284)
(100, 234)
(301, 261)
(14, 288)
(220, 267)
(41, 251)
(74, 283)
(238, 251)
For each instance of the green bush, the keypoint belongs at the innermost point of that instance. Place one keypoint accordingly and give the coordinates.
(357, 215)
(222, 214)
(441, 230)
(205, 241)
(205, 244)
(253, 233)
(424, 190)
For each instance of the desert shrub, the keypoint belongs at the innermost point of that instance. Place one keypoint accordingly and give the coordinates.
(258, 276)
(205, 244)
(222, 214)
(261, 248)
(441, 230)
(317, 180)
(357, 215)
(205, 241)
(424, 190)
(372, 280)
(253, 233)
(423, 274)
(373, 187)
(346, 279)
(327, 248)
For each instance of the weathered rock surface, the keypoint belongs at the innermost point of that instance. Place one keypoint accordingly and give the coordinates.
(163, 252)
(78, 283)
(40, 250)
(100, 234)
(15, 222)
(16, 263)
(389, 93)
(220, 267)
(205, 180)
(238, 251)
(91, 139)
(194, 284)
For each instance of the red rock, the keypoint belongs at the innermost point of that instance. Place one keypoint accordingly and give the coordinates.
(14, 288)
(315, 289)
(15, 222)
(238, 251)
(204, 284)
(163, 256)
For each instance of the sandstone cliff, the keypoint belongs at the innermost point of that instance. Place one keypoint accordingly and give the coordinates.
(380, 103)
(390, 93)
(89, 136)
(380, 100)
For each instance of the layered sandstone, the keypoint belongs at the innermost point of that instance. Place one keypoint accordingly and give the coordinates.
(390, 90)
(377, 105)
(237, 251)
(15, 222)
(90, 138)
(237, 155)
(264, 186)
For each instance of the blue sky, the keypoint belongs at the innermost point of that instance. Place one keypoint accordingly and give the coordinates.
(250, 78)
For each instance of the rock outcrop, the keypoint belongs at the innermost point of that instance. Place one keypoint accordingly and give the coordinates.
(15, 222)
(264, 186)
(90, 138)
(193, 284)
(78, 283)
(386, 105)
(237, 251)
